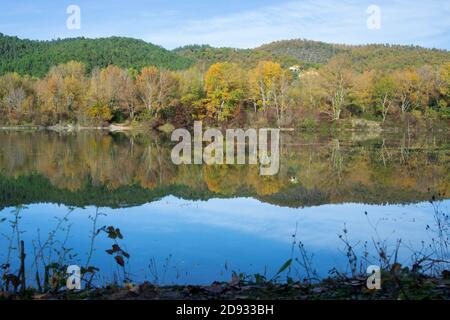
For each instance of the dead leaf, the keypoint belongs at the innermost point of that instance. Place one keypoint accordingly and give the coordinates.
(119, 260)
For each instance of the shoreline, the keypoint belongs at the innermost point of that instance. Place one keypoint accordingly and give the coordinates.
(67, 128)
(354, 127)
(396, 285)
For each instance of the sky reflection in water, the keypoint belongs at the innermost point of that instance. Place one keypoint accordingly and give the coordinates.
(207, 240)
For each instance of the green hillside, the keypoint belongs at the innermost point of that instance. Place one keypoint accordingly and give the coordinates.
(304, 50)
(36, 57)
(310, 53)
(247, 58)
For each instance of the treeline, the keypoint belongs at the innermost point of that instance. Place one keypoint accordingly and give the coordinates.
(225, 92)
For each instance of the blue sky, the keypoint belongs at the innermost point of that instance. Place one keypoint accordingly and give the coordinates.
(235, 23)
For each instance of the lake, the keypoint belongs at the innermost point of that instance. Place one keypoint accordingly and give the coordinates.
(195, 224)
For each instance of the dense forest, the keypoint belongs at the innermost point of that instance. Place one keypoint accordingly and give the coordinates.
(37, 57)
(294, 82)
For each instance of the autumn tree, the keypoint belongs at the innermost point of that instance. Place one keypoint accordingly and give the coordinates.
(383, 92)
(128, 95)
(16, 96)
(336, 84)
(444, 89)
(360, 92)
(269, 85)
(264, 81)
(192, 83)
(282, 98)
(50, 95)
(62, 91)
(112, 93)
(156, 88)
(427, 90)
(147, 83)
(406, 84)
(192, 92)
(225, 86)
(310, 89)
(74, 86)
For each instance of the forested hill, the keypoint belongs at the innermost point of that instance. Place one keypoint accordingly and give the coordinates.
(287, 52)
(308, 53)
(36, 57)
(247, 58)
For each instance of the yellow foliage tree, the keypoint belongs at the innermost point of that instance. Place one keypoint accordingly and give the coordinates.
(269, 85)
(225, 86)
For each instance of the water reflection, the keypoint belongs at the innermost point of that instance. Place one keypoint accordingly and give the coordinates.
(196, 224)
(91, 168)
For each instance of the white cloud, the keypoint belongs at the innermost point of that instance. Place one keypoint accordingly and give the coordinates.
(403, 22)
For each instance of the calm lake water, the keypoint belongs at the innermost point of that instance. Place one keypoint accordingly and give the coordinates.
(196, 224)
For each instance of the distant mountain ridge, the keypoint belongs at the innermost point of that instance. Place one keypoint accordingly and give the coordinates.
(36, 57)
